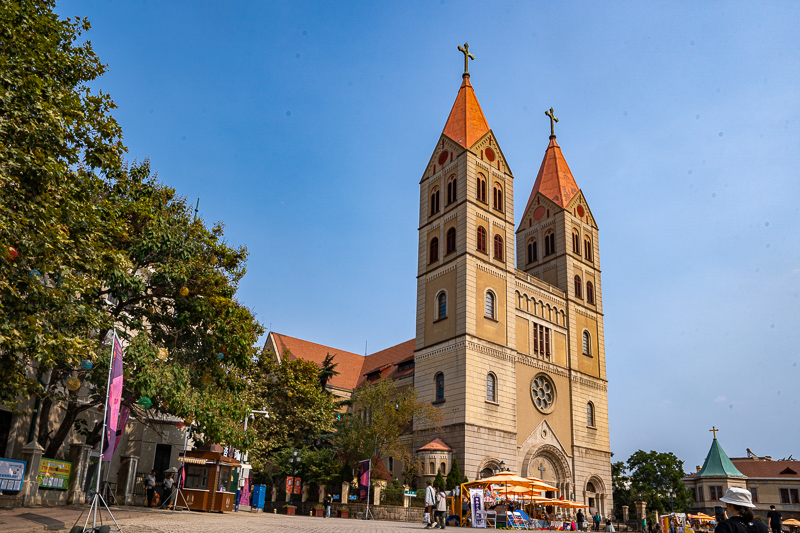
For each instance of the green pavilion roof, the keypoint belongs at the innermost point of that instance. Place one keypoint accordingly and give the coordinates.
(718, 463)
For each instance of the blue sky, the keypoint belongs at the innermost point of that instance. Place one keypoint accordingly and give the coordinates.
(306, 126)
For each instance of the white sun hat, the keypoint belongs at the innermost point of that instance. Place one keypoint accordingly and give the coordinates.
(737, 496)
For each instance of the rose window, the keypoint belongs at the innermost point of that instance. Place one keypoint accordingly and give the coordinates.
(543, 393)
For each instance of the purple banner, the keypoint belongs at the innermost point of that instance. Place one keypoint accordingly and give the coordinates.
(114, 397)
(363, 479)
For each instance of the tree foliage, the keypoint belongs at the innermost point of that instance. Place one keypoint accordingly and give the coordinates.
(301, 414)
(455, 478)
(438, 481)
(648, 476)
(382, 414)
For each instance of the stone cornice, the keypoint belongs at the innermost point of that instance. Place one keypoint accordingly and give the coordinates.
(441, 272)
(587, 381)
(492, 271)
(542, 365)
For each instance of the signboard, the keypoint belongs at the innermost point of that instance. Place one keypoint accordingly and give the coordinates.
(298, 486)
(363, 479)
(478, 510)
(411, 493)
(12, 473)
(54, 474)
(352, 497)
(289, 484)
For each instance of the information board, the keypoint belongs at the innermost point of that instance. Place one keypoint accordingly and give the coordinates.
(12, 473)
(54, 474)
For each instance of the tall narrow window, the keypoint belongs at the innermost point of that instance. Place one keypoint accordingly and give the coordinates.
(434, 253)
(578, 287)
(549, 243)
(441, 310)
(451, 190)
(439, 381)
(532, 251)
(498, 247)
(576, 242)
(587, 343)
(489, 305)
(541, 340)
(482, 239)
(450, 243)
(391, 464)
(590, 414)
(481, 188)
(587, 249)
(589, 292)
(435, 201)
(497, 197)
(491, 387)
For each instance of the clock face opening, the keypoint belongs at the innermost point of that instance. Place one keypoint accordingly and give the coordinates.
(443, 157)
(489, 154)
(581, 212)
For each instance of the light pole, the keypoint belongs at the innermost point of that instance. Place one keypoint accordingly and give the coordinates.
(671, 495)
(294, 460)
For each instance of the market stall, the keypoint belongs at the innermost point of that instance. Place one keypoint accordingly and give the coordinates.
(208, 479)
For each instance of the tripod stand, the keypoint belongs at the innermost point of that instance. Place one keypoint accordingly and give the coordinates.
(94, 510)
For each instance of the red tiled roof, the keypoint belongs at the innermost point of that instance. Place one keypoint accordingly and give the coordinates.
(386, 360)
(349, 365)
(352, 367)
(466, 123)
(435, 444)
(555, 179)
(752, 468)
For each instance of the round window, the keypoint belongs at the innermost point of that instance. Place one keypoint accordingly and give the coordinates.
(543, 393)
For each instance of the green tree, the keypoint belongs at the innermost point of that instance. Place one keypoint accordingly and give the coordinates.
(438, 481)
(621, 486)
(649, 476)
(301, 413)
(327, 371)
(58, 141)
(171, 293)
(455, 478)
(381, 415)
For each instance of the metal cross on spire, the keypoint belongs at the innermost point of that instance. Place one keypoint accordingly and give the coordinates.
(553, 121)
(467, 56)
(714, 431)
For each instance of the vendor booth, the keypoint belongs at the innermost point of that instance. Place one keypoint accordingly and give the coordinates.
(208, 479)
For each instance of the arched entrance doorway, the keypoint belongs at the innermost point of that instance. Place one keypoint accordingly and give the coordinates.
(547, 463)
(594, 495)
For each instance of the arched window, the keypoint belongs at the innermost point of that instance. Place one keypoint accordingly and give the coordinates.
(532, 252)
(433, 468)
(578, 287)
(439, 382)
(589, 292)
(489, 305)
(587, 249)
(549, 243)
(590, 423)
(497, 197)
(435, 201)
(498, 247)
(491, 387)
(450, 241)
(451, 190)
(590, 485)
(481, 188)
(434, 255)
(482, 239)
(587, 343)
(576, 242)
(391, 464)
(443, 468)
(441, 306)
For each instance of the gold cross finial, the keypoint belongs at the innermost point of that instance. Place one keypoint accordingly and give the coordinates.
(467, 56)
(714, 431)
(553, 121)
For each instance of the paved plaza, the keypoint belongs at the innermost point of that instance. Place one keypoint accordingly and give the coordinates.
(141, 520)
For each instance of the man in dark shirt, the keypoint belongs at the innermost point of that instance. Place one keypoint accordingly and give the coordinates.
(774, 519)
(580, 521)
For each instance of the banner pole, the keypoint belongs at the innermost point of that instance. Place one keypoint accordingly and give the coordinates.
(105, 423)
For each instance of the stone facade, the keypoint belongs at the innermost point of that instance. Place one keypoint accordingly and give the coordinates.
(513, 356)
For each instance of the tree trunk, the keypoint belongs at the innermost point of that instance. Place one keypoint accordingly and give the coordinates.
(44, 410)
(70, 415)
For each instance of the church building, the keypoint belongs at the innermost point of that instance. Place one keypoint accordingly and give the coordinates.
(512, 354)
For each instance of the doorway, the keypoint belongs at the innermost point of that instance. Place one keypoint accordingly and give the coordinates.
(161, 460)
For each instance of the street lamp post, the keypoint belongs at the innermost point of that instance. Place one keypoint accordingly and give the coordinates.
(294, 460)
(671, 495)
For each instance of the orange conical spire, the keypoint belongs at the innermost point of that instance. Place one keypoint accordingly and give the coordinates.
(466, 123)
(555, 179)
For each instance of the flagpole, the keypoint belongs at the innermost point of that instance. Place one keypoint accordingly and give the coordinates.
(105, 423)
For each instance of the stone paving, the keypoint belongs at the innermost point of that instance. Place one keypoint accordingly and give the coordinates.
(141, 520)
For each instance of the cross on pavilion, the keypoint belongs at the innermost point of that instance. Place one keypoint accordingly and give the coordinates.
(467, 56)
(553, 121)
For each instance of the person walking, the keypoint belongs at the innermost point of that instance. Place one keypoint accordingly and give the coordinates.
(326, 501)
(150, 487)
(597, 520)
(740, 510)
(579, 518)
(430, 501)
(441, 508)
(774, 518)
